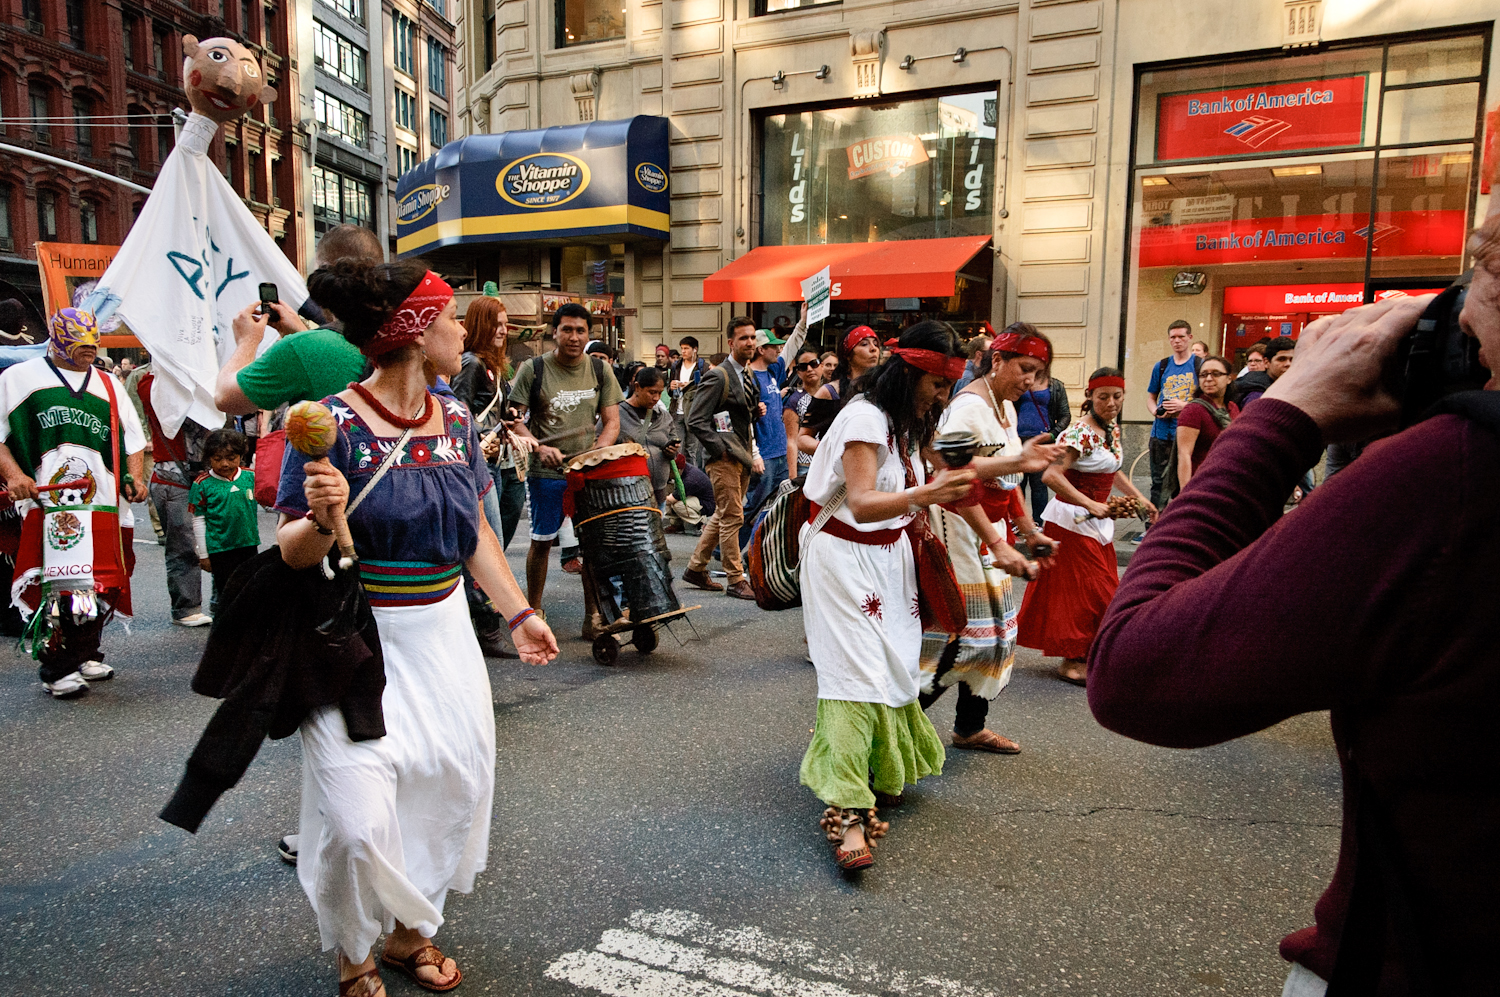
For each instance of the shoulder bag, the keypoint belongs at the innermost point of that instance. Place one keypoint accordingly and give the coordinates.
(773, 567)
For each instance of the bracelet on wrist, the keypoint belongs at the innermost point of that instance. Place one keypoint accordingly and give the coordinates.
(317, 525)
(912, 505)
(520, 618)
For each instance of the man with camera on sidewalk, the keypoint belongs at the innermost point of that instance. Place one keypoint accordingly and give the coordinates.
(1384, 588)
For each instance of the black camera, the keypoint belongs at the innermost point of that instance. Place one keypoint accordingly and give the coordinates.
(1436, 359)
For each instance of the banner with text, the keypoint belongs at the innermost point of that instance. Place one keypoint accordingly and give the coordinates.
(1303, 237)
(1261, 120)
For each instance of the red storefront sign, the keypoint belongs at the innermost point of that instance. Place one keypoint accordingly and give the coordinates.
(1259, 121)
(1282, 299)
(1303, 237)
(888, 154)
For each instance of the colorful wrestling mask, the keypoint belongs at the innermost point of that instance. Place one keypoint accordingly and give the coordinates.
(71, 332)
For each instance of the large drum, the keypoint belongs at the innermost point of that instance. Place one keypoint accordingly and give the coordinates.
(619, 528)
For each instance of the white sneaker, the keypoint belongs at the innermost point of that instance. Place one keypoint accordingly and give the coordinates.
(287, 848)
(96, 671)
(67, 687)
(196, 620)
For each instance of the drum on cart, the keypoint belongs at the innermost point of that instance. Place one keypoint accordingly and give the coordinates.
(625, 554)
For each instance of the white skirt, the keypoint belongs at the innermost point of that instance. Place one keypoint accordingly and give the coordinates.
(389, 826)
(859, 606)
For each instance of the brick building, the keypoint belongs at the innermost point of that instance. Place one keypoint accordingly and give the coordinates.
(95, 83)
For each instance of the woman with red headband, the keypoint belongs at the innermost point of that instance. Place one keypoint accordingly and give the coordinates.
(858, 354)
(1061, 611)
(859, 588)
(975, 532)
(390, 825)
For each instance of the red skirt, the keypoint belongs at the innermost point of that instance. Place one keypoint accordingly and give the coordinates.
(1061, 610)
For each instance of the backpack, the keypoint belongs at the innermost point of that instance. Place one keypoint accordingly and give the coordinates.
(1161, 368)
(534, 400)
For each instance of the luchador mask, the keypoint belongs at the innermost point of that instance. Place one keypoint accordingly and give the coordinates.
(71, 332)
(222, 78)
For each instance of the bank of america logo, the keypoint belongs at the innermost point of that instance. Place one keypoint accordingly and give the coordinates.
(1256, 130)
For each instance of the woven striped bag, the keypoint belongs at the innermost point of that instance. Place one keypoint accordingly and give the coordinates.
(775, 547)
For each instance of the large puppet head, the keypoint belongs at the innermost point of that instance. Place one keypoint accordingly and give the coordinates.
(222, 78)
(74, 337)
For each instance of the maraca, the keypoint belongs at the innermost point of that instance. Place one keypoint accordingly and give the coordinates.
(311, 428)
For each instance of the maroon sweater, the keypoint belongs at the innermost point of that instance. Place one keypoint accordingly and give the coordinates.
(1376, 599)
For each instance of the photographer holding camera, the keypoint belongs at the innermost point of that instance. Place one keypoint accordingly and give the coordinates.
(1382, 618)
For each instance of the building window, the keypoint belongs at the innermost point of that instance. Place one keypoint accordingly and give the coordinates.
(440, 6)
(245, 8)
(41, 127)
(404, 38)
(437, 128)
(275, 181)
(31, 12)
(583, 21)
(489, 34)
(7, 239)
(165, 140)
(919, 169)
(83, 128)
(252, 179)
(232, 166)
(776, 6)
(406, 110)
(268, 29)
(46, 214)
(354, 10)
(1269, 181)
(339, 199)
(341, 120)
(88, 220)
(437, 67)
(406, 160)
(128, 41)
(340, 58)
(159, 54)
(76, 23)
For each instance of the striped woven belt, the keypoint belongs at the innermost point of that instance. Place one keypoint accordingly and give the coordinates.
(408, 583)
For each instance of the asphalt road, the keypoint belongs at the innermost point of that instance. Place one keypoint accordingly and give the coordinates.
(651, 838)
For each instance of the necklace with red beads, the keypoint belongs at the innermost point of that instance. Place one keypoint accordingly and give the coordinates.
(387, 414)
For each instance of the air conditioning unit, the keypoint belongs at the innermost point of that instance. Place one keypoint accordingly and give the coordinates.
(275, 202)
(7, 244)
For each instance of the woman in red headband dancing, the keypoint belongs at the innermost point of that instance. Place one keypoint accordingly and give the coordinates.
(390, 825)
(858, 354)
(1061, 610)
(859, 588)
(980, 659)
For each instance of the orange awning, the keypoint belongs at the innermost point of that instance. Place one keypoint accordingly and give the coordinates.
(911, 268)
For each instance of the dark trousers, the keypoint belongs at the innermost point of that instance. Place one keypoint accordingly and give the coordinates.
(1039, 495)
(223, 565)
(970, 713)
(511, 493)
(1161, 455)
(71, 644)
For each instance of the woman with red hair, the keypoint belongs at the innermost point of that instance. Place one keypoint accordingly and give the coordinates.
(1061, 610)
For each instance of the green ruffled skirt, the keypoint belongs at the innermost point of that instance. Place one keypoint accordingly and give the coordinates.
(853, 740)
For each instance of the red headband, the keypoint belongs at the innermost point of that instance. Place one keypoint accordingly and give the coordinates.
(420, 309)
(933, 362)
(856, 335)
(1027, 346)
(1106, 381)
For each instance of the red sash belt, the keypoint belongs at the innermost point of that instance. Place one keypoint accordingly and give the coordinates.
(842, 530)
(1096, 486)
(630, 466)
(999, 504)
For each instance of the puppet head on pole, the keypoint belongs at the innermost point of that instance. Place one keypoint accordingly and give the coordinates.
(222, 78)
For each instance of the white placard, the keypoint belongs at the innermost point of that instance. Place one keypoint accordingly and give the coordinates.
(815, 291)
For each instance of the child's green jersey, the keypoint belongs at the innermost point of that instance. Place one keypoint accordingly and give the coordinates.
(227, 509)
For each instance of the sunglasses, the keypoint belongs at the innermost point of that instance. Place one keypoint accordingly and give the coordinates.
(809, 365)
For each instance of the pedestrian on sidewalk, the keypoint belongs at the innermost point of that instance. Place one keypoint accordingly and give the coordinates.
(1204, 418)
(1173, 381)
(644, 420)
(809, 378)
(859, 589)
(64, 421)
(976, 533)
(725, 408)
(858, 354)
(687, 374)
(768, 367)
(392, 824)
(177, 463)
(226, 532)
(1061, 609)
(1043, 409)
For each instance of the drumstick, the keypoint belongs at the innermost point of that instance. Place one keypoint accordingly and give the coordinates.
(310, 428)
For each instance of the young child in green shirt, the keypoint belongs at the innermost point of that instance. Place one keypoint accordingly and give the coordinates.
(222, 504)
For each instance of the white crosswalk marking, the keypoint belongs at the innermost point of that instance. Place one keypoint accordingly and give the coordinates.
(674, 953)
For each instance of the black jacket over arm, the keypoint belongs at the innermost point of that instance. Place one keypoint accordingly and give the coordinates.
(284, 643)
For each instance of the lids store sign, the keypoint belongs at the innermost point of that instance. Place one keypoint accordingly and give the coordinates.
(1261, 120)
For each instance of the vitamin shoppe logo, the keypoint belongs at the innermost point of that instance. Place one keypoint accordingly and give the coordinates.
(543, 180)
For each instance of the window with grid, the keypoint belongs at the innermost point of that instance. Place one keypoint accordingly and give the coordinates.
(339, 57)
(438, 5)
(342, 121)
(76, 23)
(88, 220)
(83, 130)
(41, 128)
(437, 67)
(339, 199)
(437, 128)
(46, 214)
(406, 160)
(354, 10)
(406, 110)
(404, 39)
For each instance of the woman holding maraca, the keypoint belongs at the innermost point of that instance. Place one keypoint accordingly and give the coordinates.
(389, 826)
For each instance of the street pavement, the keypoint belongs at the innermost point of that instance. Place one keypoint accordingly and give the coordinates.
(650, 837)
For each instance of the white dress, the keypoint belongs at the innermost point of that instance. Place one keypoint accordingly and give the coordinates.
(859, 601)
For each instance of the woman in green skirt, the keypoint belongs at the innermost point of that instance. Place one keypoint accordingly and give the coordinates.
(859, 588)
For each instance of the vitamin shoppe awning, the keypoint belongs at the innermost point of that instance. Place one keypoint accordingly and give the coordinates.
(911, 268)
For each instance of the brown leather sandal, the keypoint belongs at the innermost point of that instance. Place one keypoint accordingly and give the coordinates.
(427, 955)
(366, 984)
(986, 740)
(836, 822)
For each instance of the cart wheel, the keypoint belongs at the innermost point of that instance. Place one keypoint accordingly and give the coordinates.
(606, 649)
(644, 638)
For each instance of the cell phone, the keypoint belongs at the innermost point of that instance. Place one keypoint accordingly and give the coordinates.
(268, 297)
